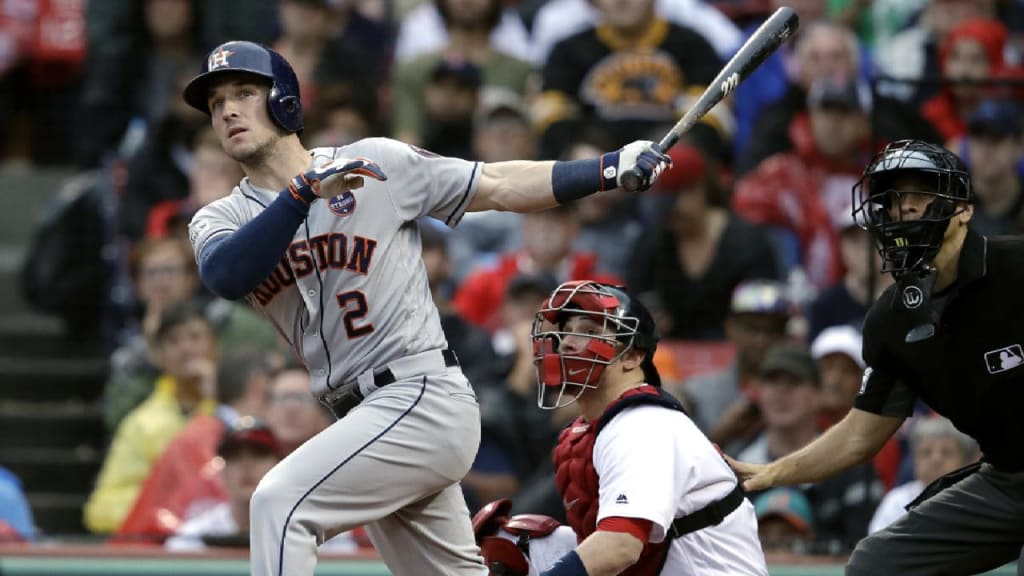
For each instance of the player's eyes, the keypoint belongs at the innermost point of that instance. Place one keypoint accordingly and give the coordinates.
(216, 103)
(246, 92)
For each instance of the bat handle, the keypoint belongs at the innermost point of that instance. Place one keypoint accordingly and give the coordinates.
(632, 179)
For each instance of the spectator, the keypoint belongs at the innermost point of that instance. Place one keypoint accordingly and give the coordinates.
(502, 131)
(212, 175)
(469, 23)
(938, 449)
(610, 223)
(186, 479)
(837, 351)
(788, 401)
(164, 274)
(558, 19)
(875, 21)
(322, 62)
(425, 30)
(294, 415)
(803, 192)
(138, 53)
(722, 403)
(995, 149)
(847, 301)
(699, 252)
(548, 239)
(913, 54)
(970, 54)
(16, 522)
(345, 118)
(160, 169)
(824, 51)
(450, 98)
(785, 522)
(471, 343)
(186, 350)
(630, 74)
(249, 450)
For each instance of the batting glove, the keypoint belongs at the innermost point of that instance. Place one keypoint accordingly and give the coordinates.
(643, 155)
(306, 186)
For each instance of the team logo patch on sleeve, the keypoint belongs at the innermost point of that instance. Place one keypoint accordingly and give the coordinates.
(343, 204)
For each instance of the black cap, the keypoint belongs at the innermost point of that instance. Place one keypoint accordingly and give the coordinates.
(461, 70)
(1000, 118)
(829, 93)
(790, 358)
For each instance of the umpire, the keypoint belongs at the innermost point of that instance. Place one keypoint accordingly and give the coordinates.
(949, 332)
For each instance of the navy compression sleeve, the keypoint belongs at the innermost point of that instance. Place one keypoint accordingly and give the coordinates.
(233, 265)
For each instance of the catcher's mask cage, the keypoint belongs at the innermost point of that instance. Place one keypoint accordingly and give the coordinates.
(908, 246)
(624, 324)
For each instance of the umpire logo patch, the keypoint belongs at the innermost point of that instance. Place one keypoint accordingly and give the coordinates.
(343, 204)
(1004, 359)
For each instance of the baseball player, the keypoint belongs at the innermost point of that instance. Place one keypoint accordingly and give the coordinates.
(644, 490)
(325, 243)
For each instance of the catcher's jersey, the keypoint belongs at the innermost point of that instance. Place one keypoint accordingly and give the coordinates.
(351, 292)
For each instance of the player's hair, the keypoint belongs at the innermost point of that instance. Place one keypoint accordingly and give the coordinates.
(236, 370)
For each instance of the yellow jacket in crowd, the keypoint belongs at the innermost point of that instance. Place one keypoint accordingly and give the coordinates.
(140, 439)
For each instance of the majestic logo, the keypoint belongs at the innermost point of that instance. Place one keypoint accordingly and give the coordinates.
(343, 204)
(621, 499)
(218, 59)
(912, 297)
(730, 83)
(1004, 359)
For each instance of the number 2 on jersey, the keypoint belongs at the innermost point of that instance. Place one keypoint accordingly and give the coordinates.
(354, 304)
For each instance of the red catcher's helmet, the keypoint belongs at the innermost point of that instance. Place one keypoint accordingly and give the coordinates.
(626, 324)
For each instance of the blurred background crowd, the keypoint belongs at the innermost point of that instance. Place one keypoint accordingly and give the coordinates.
(745, 251)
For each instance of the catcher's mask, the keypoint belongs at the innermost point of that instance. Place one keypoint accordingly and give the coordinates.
(908, 246)
(619, 323)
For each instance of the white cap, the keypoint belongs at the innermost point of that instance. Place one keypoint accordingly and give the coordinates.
(839, 339)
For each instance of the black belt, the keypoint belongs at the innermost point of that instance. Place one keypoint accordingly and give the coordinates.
(709, 515)
(385, 377)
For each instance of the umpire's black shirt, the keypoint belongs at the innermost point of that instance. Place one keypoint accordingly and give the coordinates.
(972, 370)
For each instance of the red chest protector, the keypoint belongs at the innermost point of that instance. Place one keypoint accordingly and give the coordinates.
(577, 480)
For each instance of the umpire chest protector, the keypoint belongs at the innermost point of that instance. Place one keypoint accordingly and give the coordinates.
(577, 480)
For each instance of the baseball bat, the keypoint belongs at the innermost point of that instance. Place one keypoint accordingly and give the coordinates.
(765, 40)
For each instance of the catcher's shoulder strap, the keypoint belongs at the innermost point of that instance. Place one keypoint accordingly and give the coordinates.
(709, 515)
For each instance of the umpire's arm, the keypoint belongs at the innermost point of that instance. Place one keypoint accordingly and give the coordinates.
(857, 437)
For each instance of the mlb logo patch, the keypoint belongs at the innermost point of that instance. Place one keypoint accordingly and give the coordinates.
(343, 204)
(1004, 359)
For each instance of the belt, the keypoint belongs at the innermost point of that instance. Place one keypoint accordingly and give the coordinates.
(386, 376)
(355, 390)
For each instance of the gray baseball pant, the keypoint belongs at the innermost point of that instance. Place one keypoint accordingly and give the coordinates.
(393, 464)
(971, 527)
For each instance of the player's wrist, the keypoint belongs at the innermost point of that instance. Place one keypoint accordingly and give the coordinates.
(575, 179)
(569, 565)
(301, 188)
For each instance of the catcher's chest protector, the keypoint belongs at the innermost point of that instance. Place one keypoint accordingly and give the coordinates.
(577, 479)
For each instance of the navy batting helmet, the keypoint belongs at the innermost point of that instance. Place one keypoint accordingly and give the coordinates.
(238, 56)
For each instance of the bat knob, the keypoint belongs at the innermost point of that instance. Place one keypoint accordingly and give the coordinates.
(631, 180)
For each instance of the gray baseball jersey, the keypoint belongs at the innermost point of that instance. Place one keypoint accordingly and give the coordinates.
(351, 292)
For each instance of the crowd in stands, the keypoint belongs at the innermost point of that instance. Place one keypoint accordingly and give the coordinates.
(745, 251)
